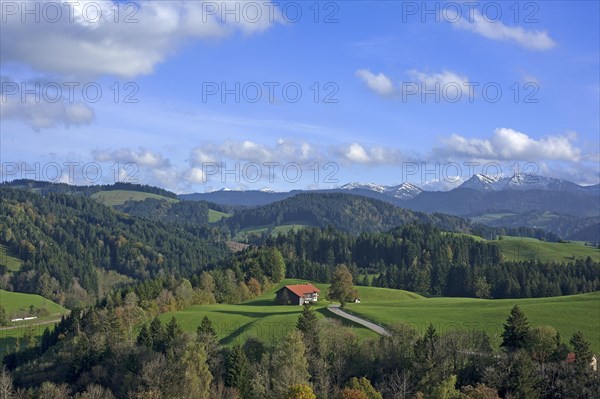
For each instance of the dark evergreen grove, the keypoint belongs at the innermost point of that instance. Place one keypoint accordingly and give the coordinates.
(424, 259)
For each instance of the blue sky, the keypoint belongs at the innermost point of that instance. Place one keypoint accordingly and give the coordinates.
(369, 120)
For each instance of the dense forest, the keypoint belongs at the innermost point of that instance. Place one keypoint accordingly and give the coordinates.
(424, 259)
(44, 187)
(68, 243)
(357, 214)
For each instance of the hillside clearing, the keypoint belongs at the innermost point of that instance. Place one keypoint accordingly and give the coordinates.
(119, 197)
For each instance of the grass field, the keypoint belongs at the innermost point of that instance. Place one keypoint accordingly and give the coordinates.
(567, 314)
(259, 317)
(16, 303)
(259, 230)
(523, 248)
(215, 216)
(119, 197)
(10, 261)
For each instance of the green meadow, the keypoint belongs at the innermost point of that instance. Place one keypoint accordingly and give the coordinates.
(119, 197)
(524, 248)
(12, 263)
(567, 314)
(258, 317)
(216, 216)
(18, 304)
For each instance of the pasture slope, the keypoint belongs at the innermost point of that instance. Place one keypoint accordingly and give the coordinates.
(524, 248)
(567, 314)
(17, 304)
(258, 317)
(119, 197)
(12, 263)
(261, 317)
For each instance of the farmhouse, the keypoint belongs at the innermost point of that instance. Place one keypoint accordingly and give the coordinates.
(297, 294)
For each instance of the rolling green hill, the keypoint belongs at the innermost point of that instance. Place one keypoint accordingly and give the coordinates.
(216, 216)
(522, 248)
(344, 212)
(16, 303)
(119, 197)
(259, 317)
(12, 263)
(19, 304)
(567, 314)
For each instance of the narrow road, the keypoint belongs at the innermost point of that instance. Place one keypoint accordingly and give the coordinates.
(39, 323)
(335, 309)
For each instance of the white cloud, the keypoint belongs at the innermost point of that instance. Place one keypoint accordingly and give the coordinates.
(507, 144)
(250, 151)
(430, 80)
(139, 40)
(496, 30)
(380, 83)
(356, 153)
(141, 157)
(38, 113)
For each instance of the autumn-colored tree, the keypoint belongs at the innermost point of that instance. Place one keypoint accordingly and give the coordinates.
(364, 385)
(349, 393)
(341, 288)
(300, 391)
(254, 287)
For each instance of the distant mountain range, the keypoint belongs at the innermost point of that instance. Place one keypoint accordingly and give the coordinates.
(523, 182)
(563, 208)
(557, 205)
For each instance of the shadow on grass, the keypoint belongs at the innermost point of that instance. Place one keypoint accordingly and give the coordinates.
(254, 315)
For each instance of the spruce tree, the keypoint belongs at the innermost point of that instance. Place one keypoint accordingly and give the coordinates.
(517, 334)
(581, 347)
(236, 373)
(144, 337)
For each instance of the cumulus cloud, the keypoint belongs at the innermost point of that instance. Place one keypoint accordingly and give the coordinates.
(141, 157)
(250, 151)
(356, 153)
(380, 83)
(496, 30)
(94, 38)
(446, 82)
(507, 144)
(39, 113)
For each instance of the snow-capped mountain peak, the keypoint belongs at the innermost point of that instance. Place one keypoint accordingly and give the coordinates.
(401, 191)
(364, 186)
(519, 181)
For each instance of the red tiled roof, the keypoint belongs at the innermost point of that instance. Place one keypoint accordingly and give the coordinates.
(302, 289)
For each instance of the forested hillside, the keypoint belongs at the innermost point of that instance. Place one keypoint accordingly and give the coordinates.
(348, 213)
(65, 241)
(424, 259)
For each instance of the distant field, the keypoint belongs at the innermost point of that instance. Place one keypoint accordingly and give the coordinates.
(258, 230)
(523, 248)
(259, 317)
(11, 262)
(16, 302)
(215, 216)
(567, 314)
(119, 197)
